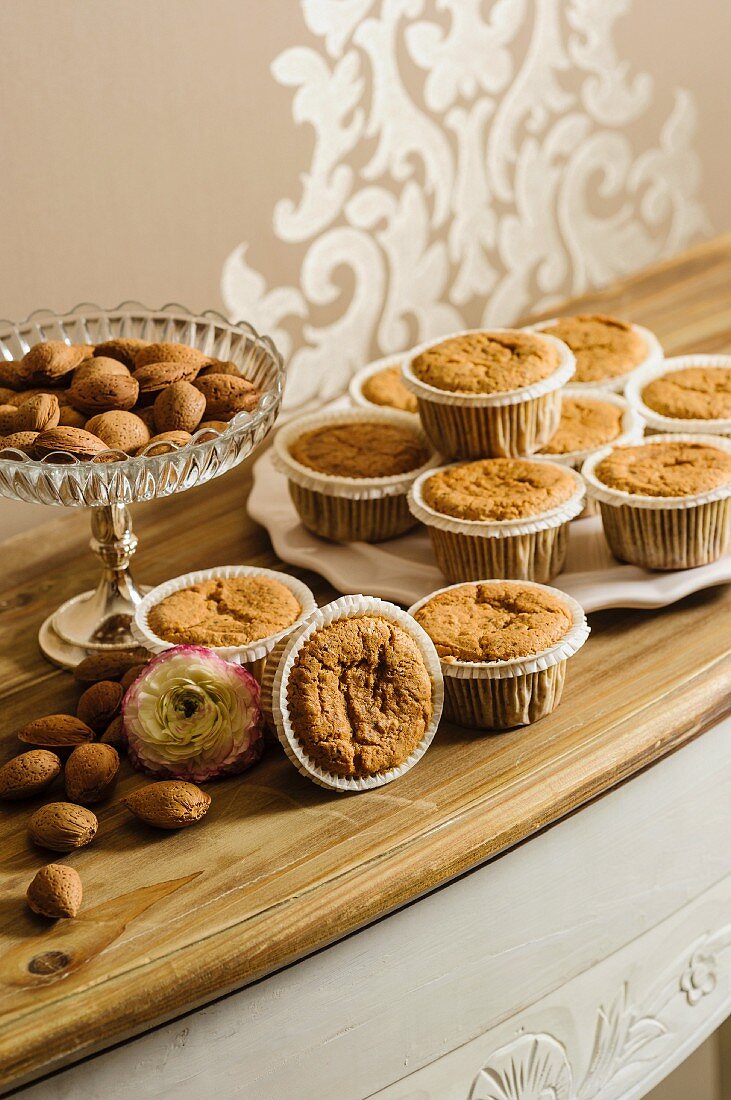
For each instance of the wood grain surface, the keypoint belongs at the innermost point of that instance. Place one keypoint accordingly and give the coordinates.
(279, 867)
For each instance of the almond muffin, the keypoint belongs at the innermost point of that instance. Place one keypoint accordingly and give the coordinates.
(665, 502)
(503, 647)
(690, 393)
(349, 472)
(605, 348)
(498, 517)
(489, 393)
(383, 387)
(585, 425)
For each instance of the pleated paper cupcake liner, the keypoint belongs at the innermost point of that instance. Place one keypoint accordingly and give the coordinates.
(486, 425)
(656, 422)
(502, 694)
(655, 356)
(339, 519)
(251, 656)
(664, 532)
(277, 676)
(539, 556)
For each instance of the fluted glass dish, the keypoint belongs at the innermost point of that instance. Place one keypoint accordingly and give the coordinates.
(101, 619)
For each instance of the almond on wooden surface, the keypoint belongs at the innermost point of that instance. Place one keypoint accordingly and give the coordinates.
(62, 826)
(169, 804)
(91, 772)
(28, 774)
(55, 891)
(55, 731)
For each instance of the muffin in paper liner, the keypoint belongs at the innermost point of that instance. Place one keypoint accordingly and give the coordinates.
(664, 532)
(532, 549)
(489, 425)
(658, 423)
(632, 432)
(655, 356)
(359, 379)
(349, 509)
(498, 695)
(252, 656)
(274, 690)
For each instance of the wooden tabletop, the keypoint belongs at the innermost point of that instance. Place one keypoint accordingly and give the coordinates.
(280, 867)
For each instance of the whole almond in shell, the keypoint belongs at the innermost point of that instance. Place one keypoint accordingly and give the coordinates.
(69, 417)
(5, 394)
(49, 362)
(131, 675)
(22, 396)
(122, 348)
(25, 442)
(72, 441)
(55, 731)
(226, 395)
(121, 431)
(170, 804)
(56, 891)
(99, 704)
(103, 391)
(28, 774)
(111, 665)
(146, 414)
(8, 414)
(10, 376)
(92, 368)
(114, 734)
(154, 377)
(91, 772)
(170, 353)
(166, 442)
(179, 408)
(38, 413)
(62, 826)
(220, 366)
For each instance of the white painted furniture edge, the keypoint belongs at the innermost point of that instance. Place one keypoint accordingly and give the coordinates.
(597, 953)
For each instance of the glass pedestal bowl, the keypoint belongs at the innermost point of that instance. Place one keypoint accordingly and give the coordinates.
(101, 619)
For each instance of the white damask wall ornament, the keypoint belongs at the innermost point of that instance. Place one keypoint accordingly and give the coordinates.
(470, 162)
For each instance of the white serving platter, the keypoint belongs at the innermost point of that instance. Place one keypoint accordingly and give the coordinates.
(403, 569)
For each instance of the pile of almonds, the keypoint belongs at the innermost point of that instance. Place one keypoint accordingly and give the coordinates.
(84, 749)
(123, 395)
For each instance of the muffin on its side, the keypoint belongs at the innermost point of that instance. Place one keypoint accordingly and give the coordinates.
(349, 472)
(503, 647)
(665, 503)
(489, 393)
(498, 517)
(355, 694)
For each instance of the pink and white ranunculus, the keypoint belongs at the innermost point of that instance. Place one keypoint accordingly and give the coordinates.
(192, 715)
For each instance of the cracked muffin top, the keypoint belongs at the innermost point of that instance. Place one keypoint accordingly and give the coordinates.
(223, 612)
(384, 387)
(493, 621)
(360, 449)
(695, 393)
(359, 696)
(605, 347)
(494, 489)
(585, 423)
(487, 362)
(665, 469)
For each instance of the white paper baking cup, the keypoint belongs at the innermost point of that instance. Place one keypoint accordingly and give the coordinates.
(240, 654)
(561, 650)
(353, 488)
(495, 529)
(618, 497)
(655, 356)
(355, 389)
(632, 426)
(350, 607)
(655, 420)
(426, 392)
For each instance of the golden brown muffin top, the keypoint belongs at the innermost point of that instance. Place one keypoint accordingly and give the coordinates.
(585, 423)
(695, 393)
(385, 387)
(605, 347)
(487, 362)
(360, 449)
(359, 696)
(494, 489)
(223, 612)
(665, 469)
(493, 621)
